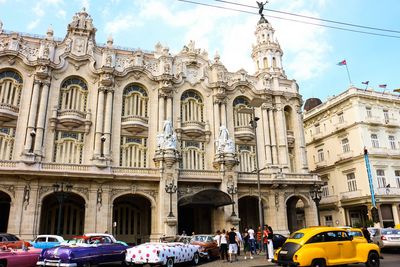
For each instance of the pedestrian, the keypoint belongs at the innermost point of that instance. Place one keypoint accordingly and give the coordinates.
(366, 234)
(270, 243)
(223, 245)
(259, 240)
(183, 233)
(265, 240)
(239, 243)
(252, 242)
(246, 245)
(217, 237)
(233, 240)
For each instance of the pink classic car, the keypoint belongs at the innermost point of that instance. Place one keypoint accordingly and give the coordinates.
(19, 257)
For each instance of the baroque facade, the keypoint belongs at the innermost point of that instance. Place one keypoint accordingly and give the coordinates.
(337, 132)
(102, 138)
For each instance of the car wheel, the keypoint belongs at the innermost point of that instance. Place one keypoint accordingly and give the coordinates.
(170, 262)
(373, 260)
(318, 263)
(3, 264)
(195, 259)
(208, 256)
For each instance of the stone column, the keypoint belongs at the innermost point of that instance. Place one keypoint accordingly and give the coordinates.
(169, 108)
(161, 112)
(32, 115)
(282, 140)
(107, 122)
(223, 113)
(267, 138)
(300, 142)
(216, 119)
(41, 121)
(395, 214)
(273, 137)
(99, 121)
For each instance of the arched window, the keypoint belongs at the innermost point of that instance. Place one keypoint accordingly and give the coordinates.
(193, 155)
(240, 118)
(10, 88)
(247, 157)
(133, 152)
(265, 62)
(191, 107)
(274, 62)
(134, 101)
(288, 118)
(69, 147)
(74, 92)
(7, 138)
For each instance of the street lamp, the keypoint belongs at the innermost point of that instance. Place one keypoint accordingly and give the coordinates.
(316, 195)
(102, 139)
(32, 134)
(256, 102)
(170, 189)
(61, 190)
(232, 190)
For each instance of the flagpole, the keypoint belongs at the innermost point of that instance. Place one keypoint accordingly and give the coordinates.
(348, 74)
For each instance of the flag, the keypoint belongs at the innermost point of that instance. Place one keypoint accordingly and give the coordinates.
(382, 85)
(342, 63)
(366, 82)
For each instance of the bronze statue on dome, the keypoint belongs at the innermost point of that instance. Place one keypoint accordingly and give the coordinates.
(261, 7)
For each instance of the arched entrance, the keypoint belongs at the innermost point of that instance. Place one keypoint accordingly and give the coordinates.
(196, 211)
(295, 208)
(248, 212)
(132, 218)
(72, 217)
(5, 202)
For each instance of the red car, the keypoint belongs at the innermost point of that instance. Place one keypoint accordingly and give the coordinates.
(208, 246)
(12, 241)
(19, 258)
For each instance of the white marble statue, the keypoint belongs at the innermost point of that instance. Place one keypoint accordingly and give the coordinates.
(167, 139)
(224, 143)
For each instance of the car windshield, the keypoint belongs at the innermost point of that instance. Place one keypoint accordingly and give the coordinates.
(354, 233)
(11, 238)
(390, 232)
(199, 238)
(296, 235)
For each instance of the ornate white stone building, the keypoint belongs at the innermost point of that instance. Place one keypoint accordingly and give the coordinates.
(112, 128)
(337, 131)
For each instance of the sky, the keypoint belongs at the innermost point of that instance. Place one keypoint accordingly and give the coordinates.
(310, 52)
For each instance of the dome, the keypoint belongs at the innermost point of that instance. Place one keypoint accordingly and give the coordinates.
(312, 103)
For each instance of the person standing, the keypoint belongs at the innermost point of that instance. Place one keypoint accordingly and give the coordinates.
(259, 240)
(270, 243)
(252, 242)
(366, 234)
(233, 240)
(246, 244)
(217, 238)
(240, 240)
(223, 245)
(265, 240)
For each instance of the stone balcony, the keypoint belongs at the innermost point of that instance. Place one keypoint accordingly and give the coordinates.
(193, 128)
(341, 125)
(8, 112)
(321, 164)
(203, 175)
(71, 118)
(389, 191)
(350, 195)
(345, 155)
(374, 120)
(244, 133)
(135, 124)
(290, 138)
(329, 199)
(276, 179)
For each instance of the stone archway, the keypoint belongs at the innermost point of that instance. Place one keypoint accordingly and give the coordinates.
(296, 213)
(132, 218)
(72, 219)
(5, 203)
(248, 212)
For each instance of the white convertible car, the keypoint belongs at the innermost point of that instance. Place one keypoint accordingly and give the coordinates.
(163, 253)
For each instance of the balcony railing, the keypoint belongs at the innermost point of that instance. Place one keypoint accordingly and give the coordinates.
(8, 112)
(244, 133)
(199, 175)
(134, 123)
(346, 155)
(350, 194)
(329, 199)
(388, 191)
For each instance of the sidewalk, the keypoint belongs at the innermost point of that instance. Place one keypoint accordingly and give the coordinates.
(259, 260)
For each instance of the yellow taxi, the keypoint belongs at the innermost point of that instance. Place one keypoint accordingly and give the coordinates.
(326, 246)
(357, 234)
(397, 226)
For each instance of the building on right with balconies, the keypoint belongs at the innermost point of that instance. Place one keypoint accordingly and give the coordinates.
(337, 132)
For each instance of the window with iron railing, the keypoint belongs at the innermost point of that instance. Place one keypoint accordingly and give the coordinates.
(374, 140)
(133, 152)
(351, 182)
(345, 145)
(380, 174)
(68, 147)
(392, 142)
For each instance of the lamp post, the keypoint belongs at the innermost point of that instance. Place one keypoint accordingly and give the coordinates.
(61, 190)
(170, 189)
(257, 102)
(32, 134)
(102, 139)
(316, 195)
(232, 190)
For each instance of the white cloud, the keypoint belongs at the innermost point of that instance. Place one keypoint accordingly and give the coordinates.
(121, 23)
(86, 4)
(39, 10)
(62, 13)
(33, 24)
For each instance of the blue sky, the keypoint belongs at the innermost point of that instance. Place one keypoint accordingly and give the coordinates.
(310, 52)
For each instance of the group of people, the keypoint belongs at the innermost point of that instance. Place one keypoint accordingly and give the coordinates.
(230, 243)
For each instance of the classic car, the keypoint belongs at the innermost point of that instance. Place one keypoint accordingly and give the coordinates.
(26, 257)
(87, 250)
(326, 246)
(47, 241)
(12, 241)
(208, 246)
(387, 238)
(278, 240)
(163, 253)
(357, 234)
